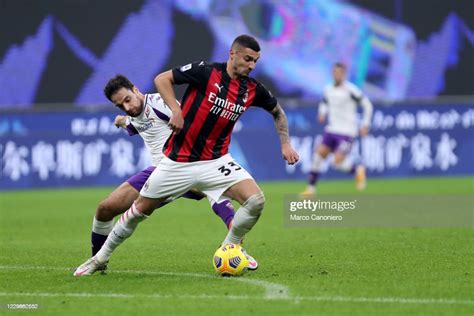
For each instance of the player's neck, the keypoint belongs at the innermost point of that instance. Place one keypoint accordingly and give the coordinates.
(230, 71)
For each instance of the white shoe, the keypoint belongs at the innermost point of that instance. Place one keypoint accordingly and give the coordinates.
(90, 267)
(253, 264)
(308, 193)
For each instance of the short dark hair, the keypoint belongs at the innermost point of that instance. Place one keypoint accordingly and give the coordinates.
(340, 65)
(115, 84)
(246, 41)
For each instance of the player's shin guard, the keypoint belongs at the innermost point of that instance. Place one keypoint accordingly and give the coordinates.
(245, 218)
(224, 210)
(123, 229)
(346, 166)
(100, 231)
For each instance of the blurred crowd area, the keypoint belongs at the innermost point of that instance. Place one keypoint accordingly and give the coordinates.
(394, 51)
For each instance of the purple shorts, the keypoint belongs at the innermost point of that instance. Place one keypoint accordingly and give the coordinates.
(137, 181)
(338, 143)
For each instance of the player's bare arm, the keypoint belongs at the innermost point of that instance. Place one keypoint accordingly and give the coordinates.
(281, 124)
(164, 84)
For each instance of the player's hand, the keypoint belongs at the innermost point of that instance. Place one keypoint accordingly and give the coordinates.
(364, 131)
(322, 119)
(120, 121)
(289, 154)
(176, 121)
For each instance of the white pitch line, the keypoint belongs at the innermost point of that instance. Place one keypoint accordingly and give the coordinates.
(273, 291)
(340, 299)
(396, 300)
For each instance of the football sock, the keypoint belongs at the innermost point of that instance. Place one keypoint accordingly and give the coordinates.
(315, 170)
(224, 210)
(100, 231)
(245, 218)
(313, 178)
(123, 229)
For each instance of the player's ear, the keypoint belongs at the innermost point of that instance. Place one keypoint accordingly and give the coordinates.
(135, 90)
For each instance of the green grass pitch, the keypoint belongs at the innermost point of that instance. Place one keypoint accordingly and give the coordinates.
(165, 267)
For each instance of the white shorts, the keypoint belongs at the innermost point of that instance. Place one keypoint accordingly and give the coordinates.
(212, 177)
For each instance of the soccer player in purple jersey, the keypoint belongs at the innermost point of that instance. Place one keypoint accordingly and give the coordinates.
(148, 116)
(196, 154)
(339, 104)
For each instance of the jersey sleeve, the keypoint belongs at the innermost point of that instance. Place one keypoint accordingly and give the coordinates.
(160, 108)
(358, 96)
(131, 130)
(194, 73)
(264, 98)
(356, 93)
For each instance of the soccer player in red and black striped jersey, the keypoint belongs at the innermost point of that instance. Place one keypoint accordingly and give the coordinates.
(196, 154)
(212, 104)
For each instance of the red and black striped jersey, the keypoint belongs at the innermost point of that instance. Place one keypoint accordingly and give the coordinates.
(211, 105)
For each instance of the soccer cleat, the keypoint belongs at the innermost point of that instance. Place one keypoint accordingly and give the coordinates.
(90, 267)
(308, 193)
(103, 268)
(253, 264)
(360, 178)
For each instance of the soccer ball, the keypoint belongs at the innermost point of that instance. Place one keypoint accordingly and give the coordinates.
(229, 260)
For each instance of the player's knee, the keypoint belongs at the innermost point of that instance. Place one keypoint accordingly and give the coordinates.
(105, 211)
(255, 204)
(323, 151)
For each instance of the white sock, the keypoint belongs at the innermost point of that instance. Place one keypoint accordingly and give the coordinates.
(102, 228)
(245, 218)
(123, 229)
(316, 162)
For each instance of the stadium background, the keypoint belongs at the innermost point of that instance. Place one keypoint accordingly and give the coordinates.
(55, 127)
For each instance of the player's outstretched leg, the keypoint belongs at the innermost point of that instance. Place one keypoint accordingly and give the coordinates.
(115, 204)
(123, 229)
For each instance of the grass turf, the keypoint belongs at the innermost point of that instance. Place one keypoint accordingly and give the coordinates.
(328, 271)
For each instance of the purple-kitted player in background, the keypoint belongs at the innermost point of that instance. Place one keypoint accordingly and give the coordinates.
(148, 116)
(339, 105)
